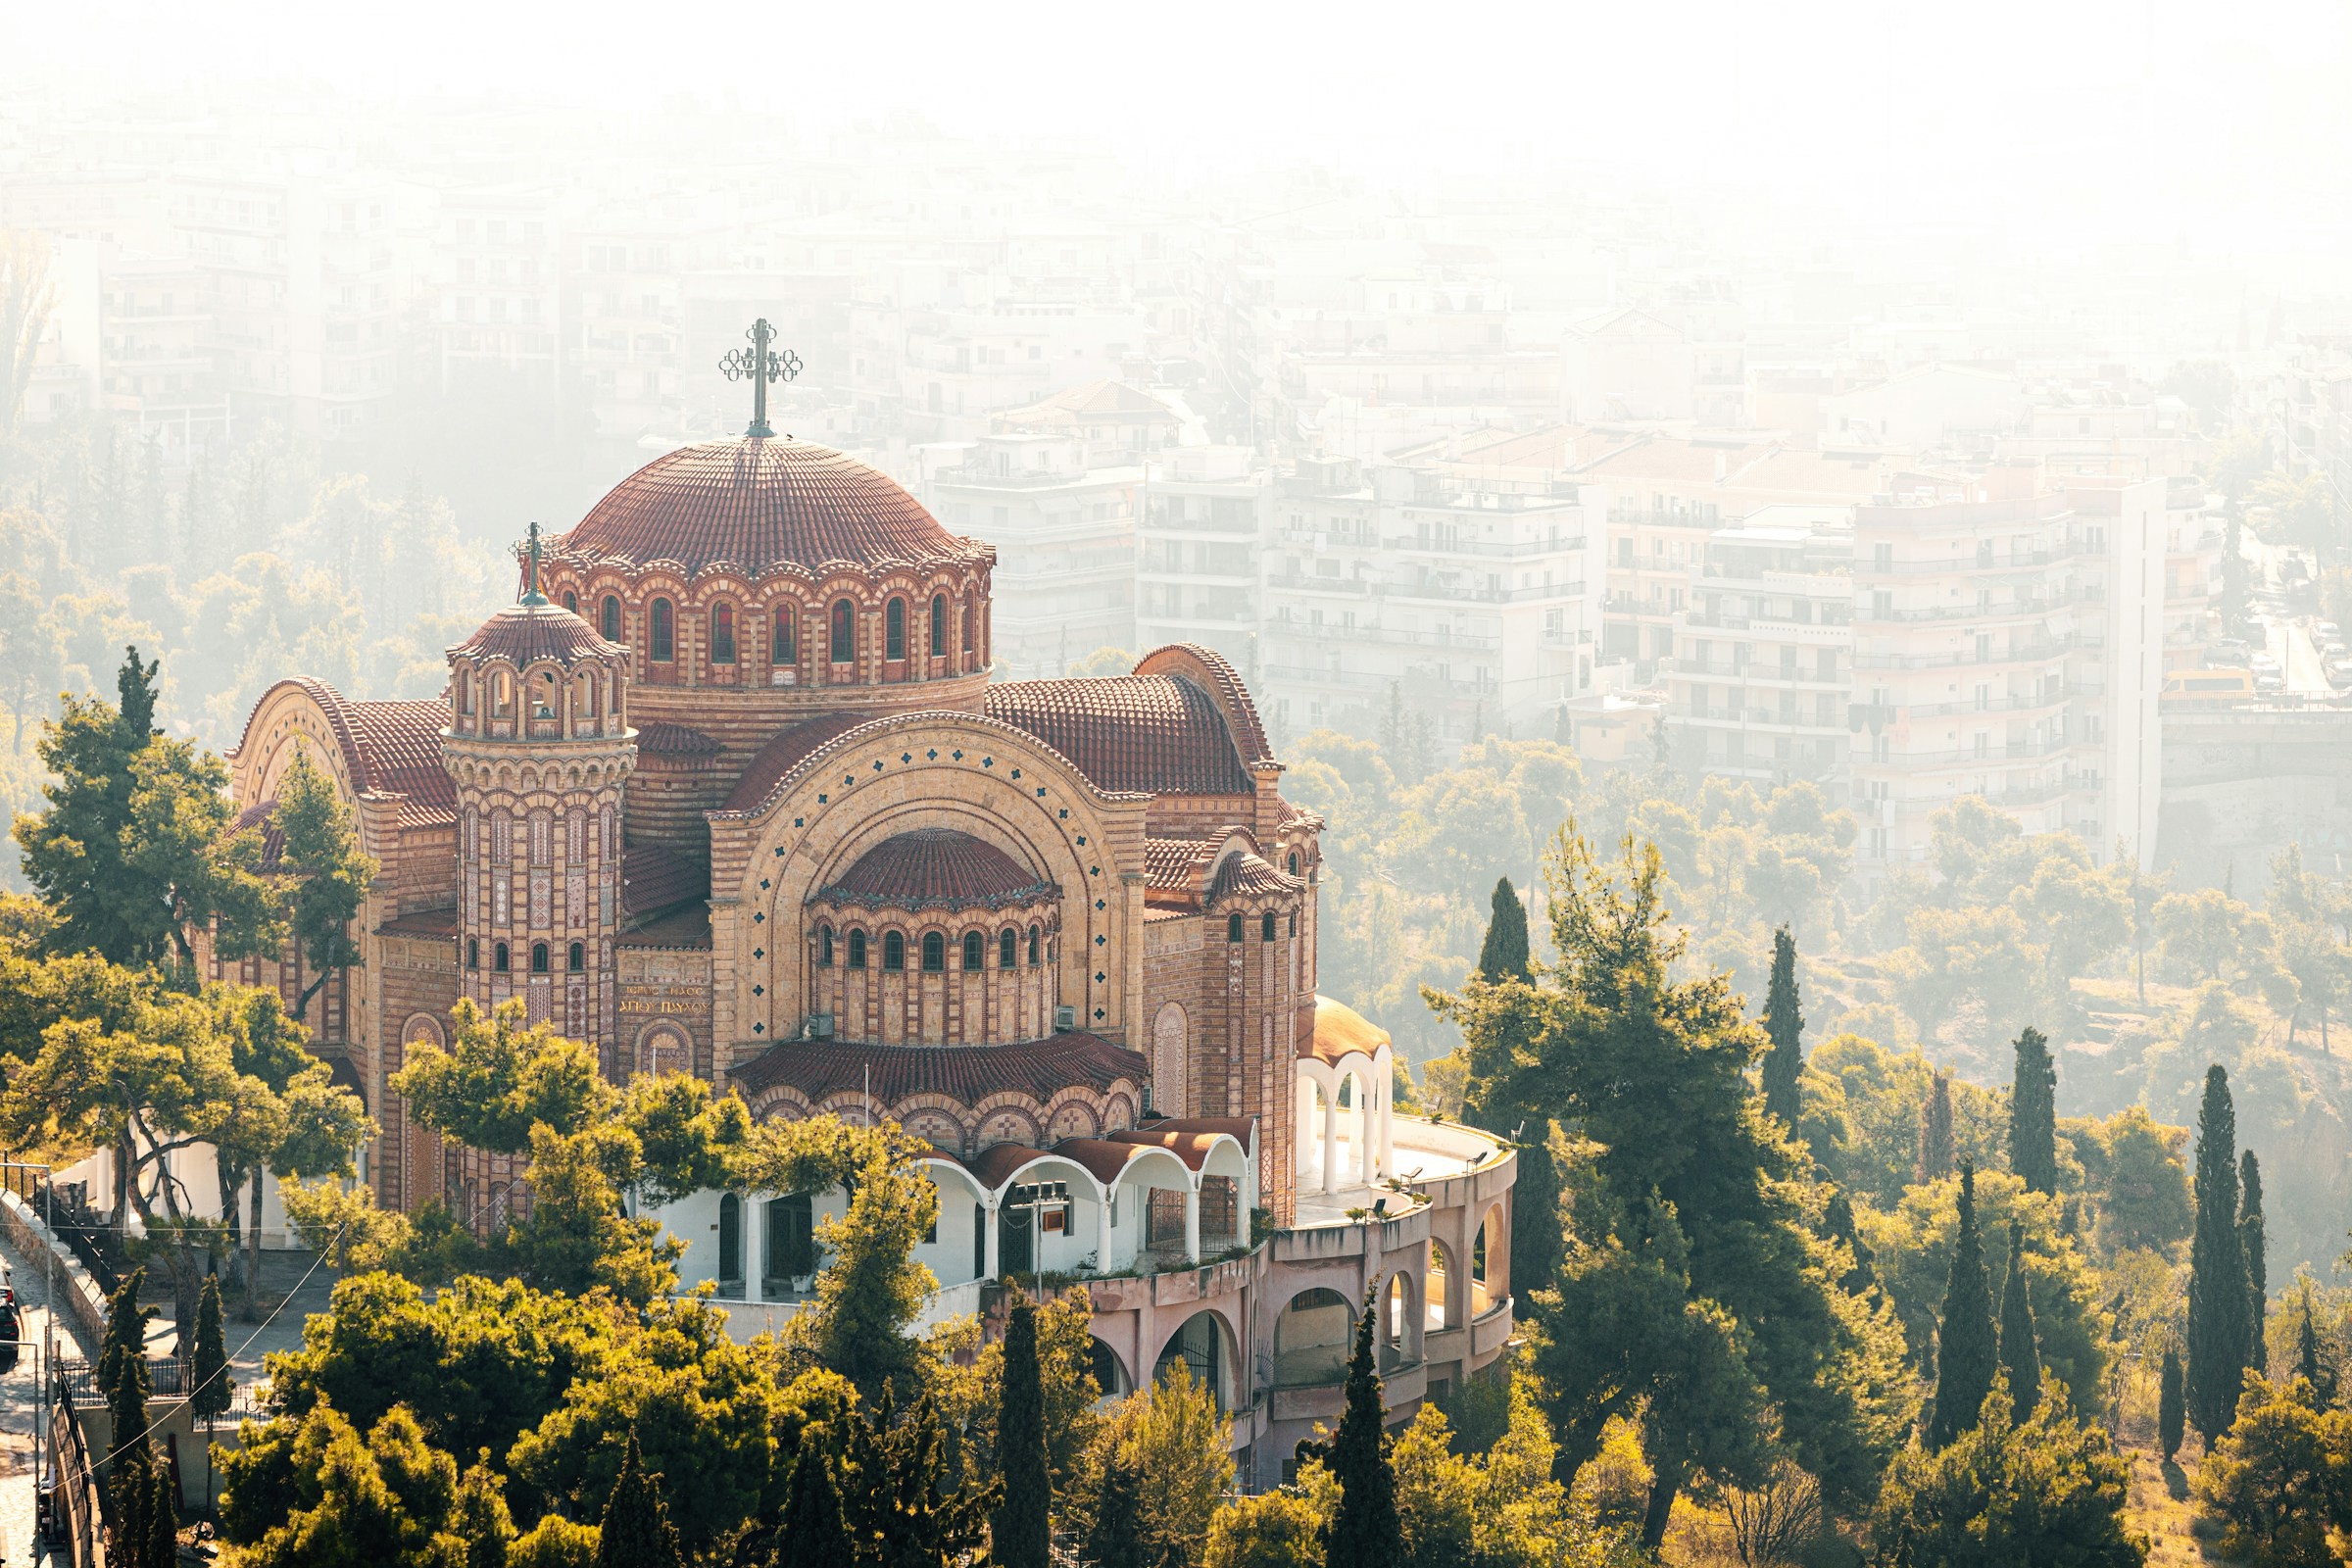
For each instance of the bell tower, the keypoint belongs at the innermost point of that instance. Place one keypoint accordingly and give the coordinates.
(539, 745)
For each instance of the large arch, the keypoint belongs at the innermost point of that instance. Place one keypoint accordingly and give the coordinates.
(1312, 1339)
(1205, 1343)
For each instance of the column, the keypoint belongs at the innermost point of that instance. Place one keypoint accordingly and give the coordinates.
(1331, 1140)
(1103, 1263)
(988, 1239)
(1192, 1223)
(1388, 1130)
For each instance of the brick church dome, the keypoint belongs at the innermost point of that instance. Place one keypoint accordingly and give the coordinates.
(758, 505)
(935, 868)
(527, 631)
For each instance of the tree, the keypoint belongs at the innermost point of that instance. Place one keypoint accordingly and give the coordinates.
(1172, 1446)
(312, 1494)
(1785, 1026)
(2253, 1251)
(2279, 1480)
(2052, 1491)
(499, 1077)
(873, 1287)
(812, 1520)
(899, 1504)
(2220, 1332)
(636, 1531)
(1022, 1530)
(2171, 1407)
(207, 1368)
(1363, 1528)
(1936, 1150)
(2309, 1364)
(1503, 955)
(2020, 1363)
(1277, 1530)
(323, 873)
(1967, 1356)
(2034, 1118)
(1117, 1529)
(161, 1548)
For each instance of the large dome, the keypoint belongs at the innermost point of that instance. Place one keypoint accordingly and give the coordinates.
(755, 505)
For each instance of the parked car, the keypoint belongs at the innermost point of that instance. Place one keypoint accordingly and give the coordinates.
(2328, 628)
(2263, 664)
(2339, 672)
(2331, 649)
(2269, 680)
(2226, 655)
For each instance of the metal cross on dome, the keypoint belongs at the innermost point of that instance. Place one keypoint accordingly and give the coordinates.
(530, 550)
(762, 364)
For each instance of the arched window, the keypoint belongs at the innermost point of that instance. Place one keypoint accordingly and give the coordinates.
(1265, 927)
(502, 694)
(1293, 862)
(1233, 928)
(825, 946)
(723, 634)
(784, 648)
(499, 964)
(1035, 944)
(473, 953)
(894, 629)
(1293, 924)
(575, 957)
(856, 950)
(939, 627)
(665, 638)
(975, 950)
(971, 619)
(1008, 947)
(466, 691)
(538, 957)
(842, 648)
(612, 626)
(730, 1243)
(572, 601)
(935, 952)
(893, 951)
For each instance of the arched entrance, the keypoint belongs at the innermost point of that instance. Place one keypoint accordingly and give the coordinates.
(1312, 1339)
(1205, 1348)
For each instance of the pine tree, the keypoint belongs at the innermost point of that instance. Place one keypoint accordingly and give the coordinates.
(2034, 1115)
(2253, 1246)
(325, 872)
(2308, 1365)
(1936, 1148)
(815, 1534)
(1785, 1025)
(1118, 1532)
(123, 1368)
(1021, 1532)
(2217, 1291)
(637, 1531)
(77, 854)
(209, 1363)
(2171, 1407)
(1503, 955)
(1364, 1525)
(2020, 1360)
(1967, 1354)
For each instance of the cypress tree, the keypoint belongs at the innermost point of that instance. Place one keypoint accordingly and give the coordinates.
(2218, 1292)
(162, 1520)
(815, 1534)
(2308, 1366)
(1785, 1025)
(1021, 1532)
(2171, 1407)
(2254, 1248)
(1839, 1221)
(209, 1365)
(2018, 1358)
(1936, 1148)
(1117, 1533)
(637, 1531)
(1966, 1352)
(1364, 1525)
(135, 1494)
(1503, 956)
(2033, 1114)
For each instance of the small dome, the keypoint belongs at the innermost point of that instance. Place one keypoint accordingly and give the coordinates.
(524, 632)
(758, 505)
(935, 868)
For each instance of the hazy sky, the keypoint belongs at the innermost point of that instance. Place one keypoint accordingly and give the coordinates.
(2075, 122)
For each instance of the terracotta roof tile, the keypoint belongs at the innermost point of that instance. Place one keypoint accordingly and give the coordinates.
(1192, 1138)
(674, 740)
(521, 633)
(967, 1074)
(1241, 875)
(936, 868)
(783, 753)
(1173, 865)
(389, 747)
(263, 819)
(655, 878)
(759, 506)
(1341, 1030)
(1157, 733)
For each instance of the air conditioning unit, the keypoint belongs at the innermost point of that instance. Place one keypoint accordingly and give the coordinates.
(1065, 1018)
(820, 1026)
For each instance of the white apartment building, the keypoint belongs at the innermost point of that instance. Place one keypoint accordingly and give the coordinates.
(1200, 542)
(1473, 599)
(1066, 537)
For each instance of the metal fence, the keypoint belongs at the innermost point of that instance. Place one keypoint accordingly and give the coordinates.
(71, 1517)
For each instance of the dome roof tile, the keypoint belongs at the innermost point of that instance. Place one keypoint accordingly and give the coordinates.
(524, 632)
(936, 868)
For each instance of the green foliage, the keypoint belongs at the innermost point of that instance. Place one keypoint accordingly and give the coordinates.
(2280, 1478)
(1784, 1027)
(1363, 1527)
(2021, 1363)
(896, 1492)
(2136, 1178)
(1159, 1465)
(635, 1530)
(1967, 1355)
(208, 1366)
(2172, 1407)
(813, 1526)
(76, 854)
(2220, 1330)
(1861, 1104)
(1503, 955)
(2052, 1491)
(499, 1078)
(323, 876)
(2253, 1252)
(1066, 1385)
(555, 1542)
(1022, 1529)
(1277, 1530)
(312, 1493)
(873, 1288)
(2034, 1115)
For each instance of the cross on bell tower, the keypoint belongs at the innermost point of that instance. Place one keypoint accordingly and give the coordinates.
(760, 364)
(531, 594)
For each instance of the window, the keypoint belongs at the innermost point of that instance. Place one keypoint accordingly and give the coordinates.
(1007, 949)
(1293, 862)
(1294, 925)
(502, 694)
(785, 647)
(894, 629)
(499, 964)
(1034, 946)
(844, 647)
(939, 627)
(572, 601)
(825, 946)
(975, 951)
(612, 627)
(466, 691)
(730, 1242)
(1233, 928)
(723, 634)
(1265, 928)
(538, 957)
(664, 641)
(856, 950)
(893, 951)
(575, 957)
(473, 953)
(971, 619)
(935, 952)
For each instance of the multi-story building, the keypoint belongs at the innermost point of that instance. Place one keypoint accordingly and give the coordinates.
(1473, 599)
(1200, 543)
(1063, 532)
(499, 306)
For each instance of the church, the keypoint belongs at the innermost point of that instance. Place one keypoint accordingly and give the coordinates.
(730, 790)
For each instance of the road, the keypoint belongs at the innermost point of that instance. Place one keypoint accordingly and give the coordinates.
(2289, 643)
(19, 1393)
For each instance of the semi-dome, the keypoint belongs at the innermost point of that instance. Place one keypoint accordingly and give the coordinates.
(528, 631)
(935, 868)
(760, 505)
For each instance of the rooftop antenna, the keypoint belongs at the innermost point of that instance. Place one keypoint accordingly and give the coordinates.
(760, 364)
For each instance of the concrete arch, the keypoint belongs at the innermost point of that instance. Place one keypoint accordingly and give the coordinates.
(1313, 1335)
(1226, 1367)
